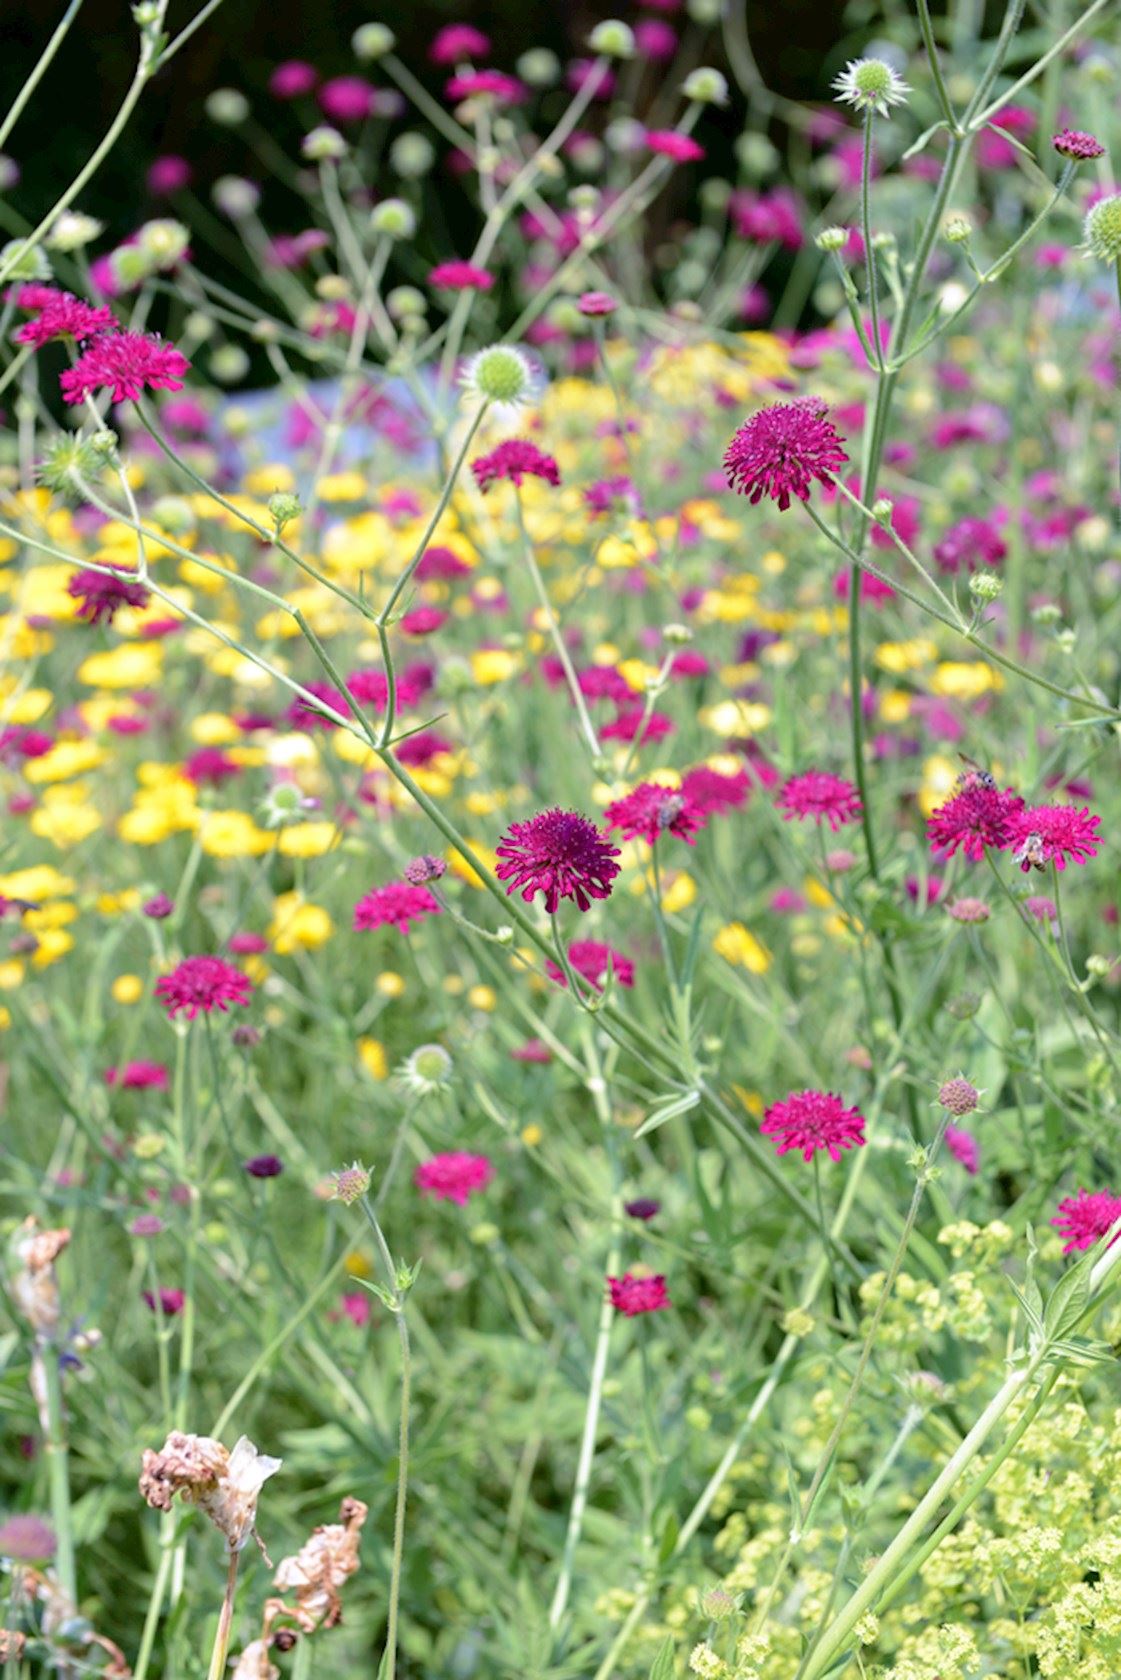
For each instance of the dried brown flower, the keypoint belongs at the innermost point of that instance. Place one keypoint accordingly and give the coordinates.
(225, 1485)
(317, 1571)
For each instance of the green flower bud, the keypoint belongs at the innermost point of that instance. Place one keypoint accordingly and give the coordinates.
(403, 301)
(234, 196)
(832, 239)
(323, 145)
(352, 1183)
(957, 227)
(227, 107)
(228, 364)
(539, 67)
(1102, 229)
(393, 218)
(612, 38)
(72, 231)
(371, 41)
(499, 374)
(284, 506)
(21, 261)
(705, 86)
(985, 586)
(411, 155)
(174, 514)
(164, 241)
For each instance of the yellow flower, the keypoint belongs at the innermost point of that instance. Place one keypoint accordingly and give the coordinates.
(232, 834)
(965, 680)
(297, 925)
(342, 487)
(482, 997)
(463, 870)
(26, 707)
(738, 945)
(939, 778)
(114, 904)
(308, 839)
(532, 1135)
(390, 985)
(493, 665)
(38, 882)
(214, 729)
(11, 974)
(131, 665)
(127, 988)
(735, 717)
(266, 481)
(901, 657)
(678, 892)
(64, 819)
(66, 759)
(373, 1058)
(53, 944)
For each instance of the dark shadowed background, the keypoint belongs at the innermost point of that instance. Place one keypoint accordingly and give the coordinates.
(799, 44)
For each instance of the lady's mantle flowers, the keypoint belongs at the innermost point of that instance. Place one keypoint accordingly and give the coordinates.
(559, 854)
(813, 1120)
(782, 449)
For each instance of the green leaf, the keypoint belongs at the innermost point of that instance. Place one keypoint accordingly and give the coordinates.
(1032, 1310)
(669, 1538)
(1068, 1301)
(663, 1668)
(668, 1111)
(917, 146)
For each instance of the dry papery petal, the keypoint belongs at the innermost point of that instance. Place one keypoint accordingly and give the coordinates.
(34, 1286)
(317, 1571)
(224, 1484)
(254, 1664)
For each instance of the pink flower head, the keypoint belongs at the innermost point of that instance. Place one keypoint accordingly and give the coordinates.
(970, 543)
(1086, 1218)
(201, 985)
(633, 1295)
(710, 791)
(997, 150)
(460, 277)
(397, 905)
(1054, 834)
(980, 814)
(667, 142)
(168, 1303)
(649, 811)
(817, 794)
(453, 1177)
(560, 854)
(456, 42)
(65, 317)
(963, 1147)
(592, 960)
(811, 1120)
(1078, 146)
(292, 79)
(210, 765)
(346, 99)
(102, 594)
(782, 449)
(440, 563)
(303, 716)
(655, 39)
(514, 460)
(138, 1076)
(125, 363)
(167, 175)
(596, 303)
(489, 84)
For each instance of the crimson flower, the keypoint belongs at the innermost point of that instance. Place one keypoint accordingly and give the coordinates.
(65, 316)
(667, 142)
(820, 795)
(782, 449)
(633, 1295)
(560, 854)
(592, 960)
(1086, 1218)
(125, 363)
(812, 1120)
(1055, 834)
(649, 811)
(1077, 145)
(963, 1148)
(453, 1177)
(102, 594)
(460, 277)
(201, 985)
(978, 815)
(514, 460)
(397, 905)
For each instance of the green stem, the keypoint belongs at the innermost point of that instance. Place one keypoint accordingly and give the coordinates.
(221, 1651)
(389, 1660)
(16, 108)
(58, 1471)
(935, 66)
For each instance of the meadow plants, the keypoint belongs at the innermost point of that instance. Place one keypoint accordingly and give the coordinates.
(560, 998)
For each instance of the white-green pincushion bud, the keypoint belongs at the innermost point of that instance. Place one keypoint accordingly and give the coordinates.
(539, 67)
(235, 196)
(1102, 229)
(985, 586)
(626, 135)
(284, 506)
(714, 193)
(175, 515)
(371, 41)
(73, 230)
(404, 301)
(393, 218)
(756, 155)
(229, 363)
(227, 106)
(164, 240)
(412, 155)
(870, 84)
(705, 12)
(832, 239)
(881, 509)
(427, 1070)
(957, 227)
(705, 86)
(1098, 68)
(323, 145)
(21, 261)
(499, 374)
(612, 38)
(130, 266)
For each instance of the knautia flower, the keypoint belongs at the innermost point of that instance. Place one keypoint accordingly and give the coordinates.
(964, 1149)
(958, 1096)
(502, 376)
(460, 277)
(200, 985)
(1087, 1217)
(453, 1177)
(264, 1166)
(100, 595)
(782, 449)
(978, 815)
(559, 854)
(1102, 229)
(593, 961)
(870, 84)
(514, 460)
(596, 304)
(650, 810)
(226, 1485)
(1077, 145)
(820, 795)
(397, 905)
(1057, 834)
(813, 1120)
(634, 1294)
(126, 364)
(65, 317)
(351, 1183)
(427, 1070)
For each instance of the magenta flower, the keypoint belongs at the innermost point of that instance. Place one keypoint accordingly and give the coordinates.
(490, 84)
(713, 792)
(292, 79)
(167, 175)
(958, 1096)
(1086, 1218)
(978, 815)
(1077, 145)
(970, 543)
(649, 811)
(397, 905)
(126, 363)
(202, 984)
(514, 460)
(596, 303)
(1054, 834)
(65, 317)
(453, 1177)
(168, 1303)
(592, 961)
(102, 594)
(456, 42)
(963, 1147)
(302, 716)
(346, 99)
(633, 1295)
(139, 1076)
(820, 795)
(812, 1120)
(264, 1166)
(560, 854)
(782, 449)
(667, 142)
(460, 277)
